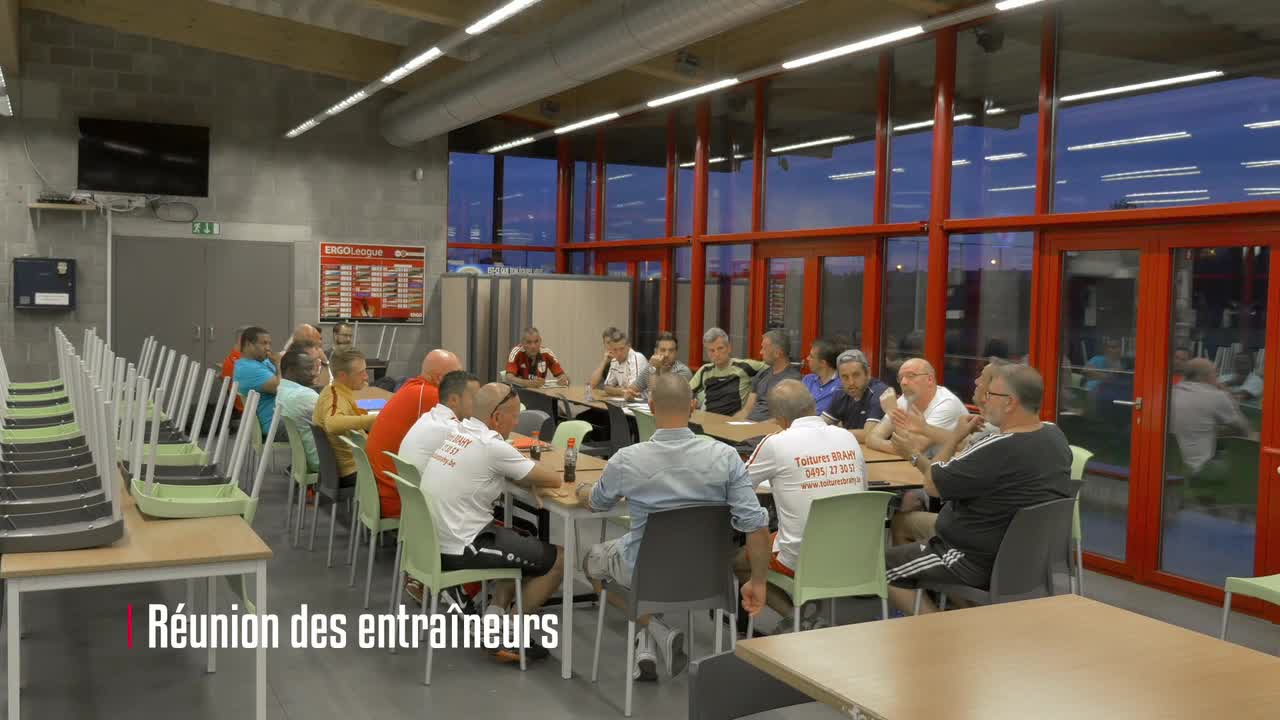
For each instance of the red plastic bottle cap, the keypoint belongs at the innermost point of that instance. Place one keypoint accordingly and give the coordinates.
(571, 442)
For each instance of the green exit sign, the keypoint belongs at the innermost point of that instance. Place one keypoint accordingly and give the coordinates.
(204, 228)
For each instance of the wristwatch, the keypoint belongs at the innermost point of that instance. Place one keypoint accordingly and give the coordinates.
(914, 458)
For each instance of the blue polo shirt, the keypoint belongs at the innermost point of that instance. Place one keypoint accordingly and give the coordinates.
(251, 374)
(823, 393)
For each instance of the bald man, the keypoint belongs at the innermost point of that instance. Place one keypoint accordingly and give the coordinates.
(462, 481)
(309, 336)
(673, 469)
(414, 399)
(1199, 409)
(923, 399)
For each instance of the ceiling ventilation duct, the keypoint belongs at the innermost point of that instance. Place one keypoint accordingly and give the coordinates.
(602, 38)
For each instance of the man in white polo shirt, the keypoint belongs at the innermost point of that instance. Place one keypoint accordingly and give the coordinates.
(808, 460)
(464, 478)
(457, 401)
(622, 367)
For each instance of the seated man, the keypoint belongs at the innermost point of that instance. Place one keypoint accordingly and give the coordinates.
(858, 408)
(777, 359)
(777, 462)
(309, 336)
(414, 399)
(463, 479)
(295, 398)
(530, 363)
(1199, 408)
(675, 468)
(343, 335)
(1027, 462)
(336, 410)
(723, 384)
(923, 396)
(457, 402)
(256, 371)
(625, 366)
(823, 381)
(663, 361)
(1245, 382)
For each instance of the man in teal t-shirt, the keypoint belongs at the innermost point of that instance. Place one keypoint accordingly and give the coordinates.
(256, 371)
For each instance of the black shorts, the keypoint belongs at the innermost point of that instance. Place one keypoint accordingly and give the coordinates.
(502, 547)
(910, 564)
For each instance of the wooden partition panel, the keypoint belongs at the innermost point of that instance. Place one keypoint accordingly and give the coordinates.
(571, 310)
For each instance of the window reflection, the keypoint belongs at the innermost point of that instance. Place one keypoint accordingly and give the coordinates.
(728, 293)
(988, 305)
(730, 162)
(905, 280)
(911, 138)
(635, 191)
(470, 198)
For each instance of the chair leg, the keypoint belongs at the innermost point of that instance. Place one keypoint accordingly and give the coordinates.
(884, 608)
(719, 631)
(302, 514)
(833, 612)
(751, 626)
(435, 599)
(368, 573)
(333, 523)
(397, 583)
(288, 507)
(397, 596)
(942, 601)
(919, 597)
(355, 554)
(353, 537)
(631, 661)
(315, 520)
(1226, 615)
(1080, 569)
(520, 638)
(595, 658)
(795, 620)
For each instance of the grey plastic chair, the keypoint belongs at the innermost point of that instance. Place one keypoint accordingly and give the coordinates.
(330, 488)
(725, 687)
(533, 400)
(619, 433)
(684, 564)
(536, 420)
(1032, 545)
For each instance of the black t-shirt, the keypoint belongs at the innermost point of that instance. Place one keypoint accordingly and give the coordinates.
(985, 485)
(852, 414)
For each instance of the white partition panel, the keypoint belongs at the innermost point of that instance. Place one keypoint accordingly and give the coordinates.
(571, 310)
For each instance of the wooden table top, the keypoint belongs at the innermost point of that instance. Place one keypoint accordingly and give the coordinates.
(574, 394)
(588, 470)
(1059, 657)
(148, 543)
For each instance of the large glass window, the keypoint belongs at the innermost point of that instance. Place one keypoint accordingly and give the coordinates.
(470, 198)
(841, 300)
(993, 166)
(820, 145)
(905, 276)
(911, 140)
(730, 164)
(681, 305)
(728, 293)
(582, 210)
(686, 138)
(582, 263)
(1188, 120)
(988, 305)
(528, 196)
(497, 262)
(635, 190)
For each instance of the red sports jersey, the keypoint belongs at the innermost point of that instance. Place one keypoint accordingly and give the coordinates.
(520, 365)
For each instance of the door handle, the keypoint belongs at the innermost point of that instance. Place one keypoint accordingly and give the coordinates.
(198, 338)
(1136, 403)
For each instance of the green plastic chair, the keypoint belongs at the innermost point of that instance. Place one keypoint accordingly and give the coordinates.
(300, 475)
(409, 473)
(257, 442)
(1264, 588)
(51, 395)
(50, 385)
(422, 559)
(359, 438)
(1079, 458)
(39, 412)
(842, 554)
(645, 425)
(404, 468)
(368, 514)
(37, 435)
(576, 429)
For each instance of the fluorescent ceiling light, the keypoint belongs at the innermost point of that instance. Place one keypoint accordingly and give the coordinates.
(417, 62)
(509, 145)
(1169, 200)
(996, 111)
(7, 108)
(1143, 86)
(497, 16)
(1263, 191)
(693, 92)
(1169, 192)
(813, 143)
(1148, 172)
(301, 128)
(1014, 4)
(861, 174)
(1180, 135)
(958, 163)
(586, 123)
(352, 100)
(1012, 188)
(1006, 156)
(929, 123)
(859, 46)
(1260, 163)
(613, 178)
(633, 203)
(1251, 126)
(1150, 177)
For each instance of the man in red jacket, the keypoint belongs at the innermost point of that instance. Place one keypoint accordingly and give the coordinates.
(414, 399)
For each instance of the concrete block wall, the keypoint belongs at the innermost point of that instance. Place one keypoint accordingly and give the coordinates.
(341, 180)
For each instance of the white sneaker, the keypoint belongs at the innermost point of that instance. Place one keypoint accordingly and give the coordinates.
(646, 667)
(673, 652)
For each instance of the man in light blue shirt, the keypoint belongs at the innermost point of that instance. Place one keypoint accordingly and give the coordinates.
(255, 371)
(823, 381)
(296, 400)
(674, 469)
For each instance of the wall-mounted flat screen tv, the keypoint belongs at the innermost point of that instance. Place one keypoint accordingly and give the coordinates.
(140, 158)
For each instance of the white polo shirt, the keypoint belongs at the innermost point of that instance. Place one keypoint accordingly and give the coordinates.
(807, 461)
(427, 435)
(944, 411)
(464, 478)
(623, 374)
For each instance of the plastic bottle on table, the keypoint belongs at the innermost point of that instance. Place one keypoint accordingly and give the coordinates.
(586, 393)
(570, 461)
(535, 450)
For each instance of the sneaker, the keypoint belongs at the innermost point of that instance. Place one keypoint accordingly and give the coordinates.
(414, 590)
(533, 651)
(673, 652)
(646, 667)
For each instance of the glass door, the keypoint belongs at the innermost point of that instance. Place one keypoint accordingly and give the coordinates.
(649, 291)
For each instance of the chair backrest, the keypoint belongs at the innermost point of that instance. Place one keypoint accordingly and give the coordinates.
(357, 438)
(1079, 458)
(297, 451)
(366, 486)
(418, 530)
(535, 421)
(255, 437)
(1030, 548)
(576, 429)
(329, 478)
(683, 562)
(533, 400)
(405, 469)
(725, 687)
(645, 425)
(843, 550)
(619, 428)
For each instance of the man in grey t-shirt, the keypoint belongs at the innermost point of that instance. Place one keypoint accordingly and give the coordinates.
(773, 350)
(663, 361)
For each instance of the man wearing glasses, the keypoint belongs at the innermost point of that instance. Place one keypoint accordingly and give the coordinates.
(462, 481)
(922, 396)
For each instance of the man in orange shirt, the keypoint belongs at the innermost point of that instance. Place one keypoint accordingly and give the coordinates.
(229, 362)
(414, 399)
